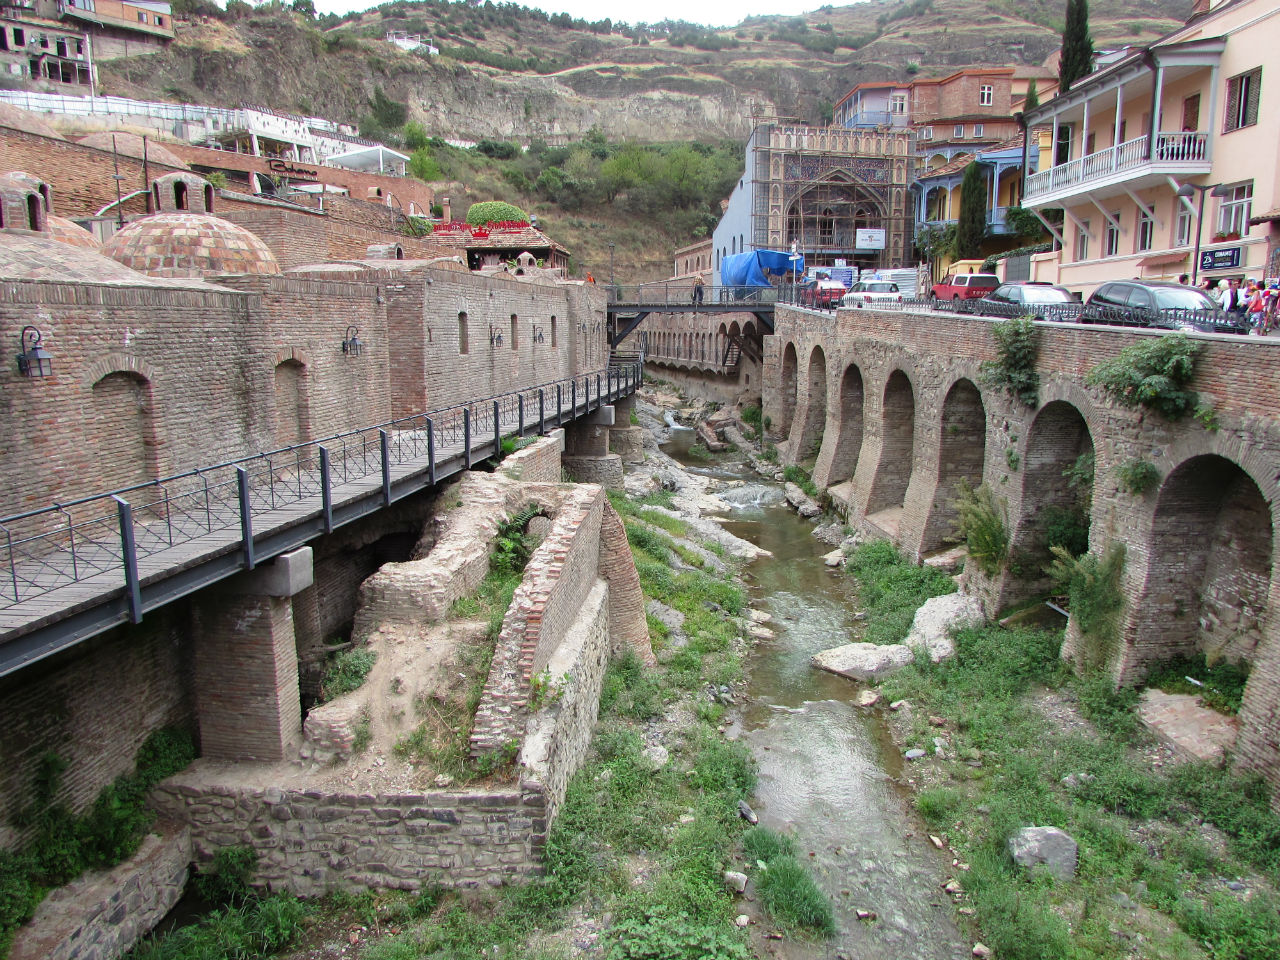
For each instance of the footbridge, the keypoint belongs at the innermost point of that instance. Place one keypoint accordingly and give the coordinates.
(629, 306)
(74, 570)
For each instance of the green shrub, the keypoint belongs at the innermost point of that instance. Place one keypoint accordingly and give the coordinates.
(491, 211)
(662, 936)
(1093, 588)
(1237, 805)
(800, 477)
(980, 520)
(752, 416)
(1065, 527)
(227, 879)
(1235, 928)
(1110, 708)
(347, 672)
(792, 898)
(1014, 369)
(1152, 373)
(255, 928)
(1138, 477)
(513, 545)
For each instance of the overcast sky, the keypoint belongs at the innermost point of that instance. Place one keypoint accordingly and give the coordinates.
(714, 13)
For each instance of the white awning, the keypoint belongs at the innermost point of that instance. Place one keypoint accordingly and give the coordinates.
(377, 159)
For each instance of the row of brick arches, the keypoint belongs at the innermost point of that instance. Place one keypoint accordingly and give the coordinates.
(893, 441)
(700, 348)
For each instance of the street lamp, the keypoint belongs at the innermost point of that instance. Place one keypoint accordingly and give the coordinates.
(611, 263)
(1187, 190)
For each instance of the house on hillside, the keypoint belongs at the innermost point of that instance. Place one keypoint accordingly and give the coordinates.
(47, 53)
(1166, 151)
(116, 28)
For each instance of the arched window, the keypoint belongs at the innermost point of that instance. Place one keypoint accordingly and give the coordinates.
(462, 331)
(553, 331)
(515, 332)
(33, 211)
(179, 195)
(208, 198)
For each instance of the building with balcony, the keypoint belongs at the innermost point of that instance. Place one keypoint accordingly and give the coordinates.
(937, 191)
(116, 28)
(1196, 107)
(874, 105)
(48, 54)
(829, 193)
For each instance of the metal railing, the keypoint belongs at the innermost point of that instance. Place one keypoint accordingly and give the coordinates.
(679, 294)
(119, 530)
(1190, 147)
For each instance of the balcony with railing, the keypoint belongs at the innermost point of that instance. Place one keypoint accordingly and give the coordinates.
(1174, 154)
(997, 222)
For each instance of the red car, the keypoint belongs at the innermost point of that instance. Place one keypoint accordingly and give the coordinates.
(965, 286)
(823, 294)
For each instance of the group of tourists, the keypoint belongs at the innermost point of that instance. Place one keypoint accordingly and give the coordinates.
(1250, 300)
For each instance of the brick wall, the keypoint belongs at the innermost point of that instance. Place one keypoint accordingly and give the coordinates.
(59, 706)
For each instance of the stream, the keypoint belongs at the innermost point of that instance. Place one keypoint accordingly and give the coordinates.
(826, 767)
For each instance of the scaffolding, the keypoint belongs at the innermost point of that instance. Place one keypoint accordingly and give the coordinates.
(814, 188)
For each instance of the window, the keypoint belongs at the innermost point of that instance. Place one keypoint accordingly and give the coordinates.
(977, 130)
(1182, 225)
(1111, 245)
(1234, 210)
(462, 332)
(142, 17)
(898, 103)
(159, 20)
(1082, 240)
(926, 133)
(958, 131)
(1242, 100)
(986, 94)
(19, 38)
(1191, 113)
(553, 331)
(1146, 231)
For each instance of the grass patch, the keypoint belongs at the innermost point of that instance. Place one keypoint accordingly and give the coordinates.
(347, 671)
(892, 588)
(1220, 686)
(793, 900)
(800, 477)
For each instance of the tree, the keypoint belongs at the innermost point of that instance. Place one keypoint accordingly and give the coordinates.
(971, 228)
(1076, 59)
(1033, 97)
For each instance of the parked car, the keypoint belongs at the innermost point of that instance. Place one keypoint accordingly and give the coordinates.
(964, 286)
(824, 294)
(1171, 306)
(1042, 301)
(866, 293)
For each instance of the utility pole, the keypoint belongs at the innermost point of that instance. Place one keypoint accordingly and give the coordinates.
(611, 263)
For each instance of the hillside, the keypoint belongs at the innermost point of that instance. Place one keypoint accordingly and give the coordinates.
(507, 72)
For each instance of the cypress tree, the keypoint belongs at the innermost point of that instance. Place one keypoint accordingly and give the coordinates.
(971, 228)
(1033, 97)
(1076, 59)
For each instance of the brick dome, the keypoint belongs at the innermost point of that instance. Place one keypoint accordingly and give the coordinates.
(68, 231)
(190, 245)
(130, 145)
(24, 120)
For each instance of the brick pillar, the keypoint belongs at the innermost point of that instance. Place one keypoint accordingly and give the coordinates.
(1258, 746)
(587, 458)
(246, 663)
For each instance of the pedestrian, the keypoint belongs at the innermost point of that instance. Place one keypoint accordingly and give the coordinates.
(698, 289)
(1184, 279)
(1230, 297)
(1256, 307)
(590, 278)
(1273, 304)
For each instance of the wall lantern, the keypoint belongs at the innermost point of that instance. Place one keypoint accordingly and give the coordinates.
(495, 336)
(34, 361)
(537, 334)
(351, 344)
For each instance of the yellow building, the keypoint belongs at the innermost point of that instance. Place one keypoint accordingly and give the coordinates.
(1196, 111)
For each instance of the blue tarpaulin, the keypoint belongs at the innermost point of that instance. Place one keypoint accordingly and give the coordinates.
(753, 268)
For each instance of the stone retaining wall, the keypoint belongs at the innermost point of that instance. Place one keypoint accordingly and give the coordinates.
(104, 913)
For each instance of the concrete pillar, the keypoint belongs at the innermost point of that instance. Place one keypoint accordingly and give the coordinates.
(624, 439)
(586, 457)
(246, 663)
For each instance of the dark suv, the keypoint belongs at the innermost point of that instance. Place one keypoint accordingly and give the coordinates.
(1171, 306)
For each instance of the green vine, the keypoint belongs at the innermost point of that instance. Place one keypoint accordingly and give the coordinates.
(981, 521)
(1014, 370)
(1153, 374)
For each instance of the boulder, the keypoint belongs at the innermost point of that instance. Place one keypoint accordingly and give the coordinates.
(863, 661)
(834, 558)
(735, 881)
(937, 619)
(1045, 848)
(804, 504)
(656, 757)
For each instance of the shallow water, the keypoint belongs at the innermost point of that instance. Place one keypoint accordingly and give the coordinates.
(822, 761)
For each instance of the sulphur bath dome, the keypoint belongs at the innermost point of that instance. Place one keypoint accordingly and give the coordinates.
(185, 240)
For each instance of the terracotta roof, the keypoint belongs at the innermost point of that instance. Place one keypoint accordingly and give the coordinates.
(1163, 259)
(68, 231)
(504, 238)
(190, 245)
(954, 165)
(1270, 215)
(130, 145)
(24, 120)
(37, 256)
